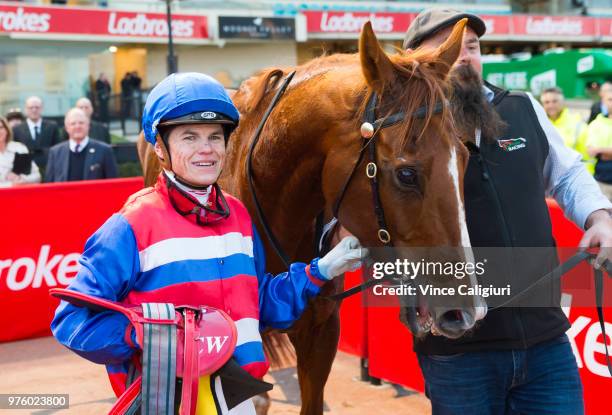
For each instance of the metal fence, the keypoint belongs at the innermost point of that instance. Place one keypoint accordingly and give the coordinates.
(121, 113)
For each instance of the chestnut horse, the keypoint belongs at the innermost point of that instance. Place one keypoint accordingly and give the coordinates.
(307, 152)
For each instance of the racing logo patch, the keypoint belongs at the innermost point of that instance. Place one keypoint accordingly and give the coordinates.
(208, 115)
(512, 144)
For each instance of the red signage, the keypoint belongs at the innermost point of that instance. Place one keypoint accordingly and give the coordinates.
(44, 231)
(496, 25)
(605, 27)
(553, 26)
(94, 22)
(512, 27)
(352, 22)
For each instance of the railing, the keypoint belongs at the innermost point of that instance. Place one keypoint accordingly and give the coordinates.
(121, 112)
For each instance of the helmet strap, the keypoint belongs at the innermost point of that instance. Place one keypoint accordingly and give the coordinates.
(166, 162)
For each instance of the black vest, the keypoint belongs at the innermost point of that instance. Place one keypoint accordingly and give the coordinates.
(76, 165)
(505, 207)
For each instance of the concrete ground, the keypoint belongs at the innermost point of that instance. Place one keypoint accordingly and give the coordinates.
(42, 366)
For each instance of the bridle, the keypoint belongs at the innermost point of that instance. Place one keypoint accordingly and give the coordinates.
(369, 132)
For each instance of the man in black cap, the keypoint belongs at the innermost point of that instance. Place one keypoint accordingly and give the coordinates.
(517, 360)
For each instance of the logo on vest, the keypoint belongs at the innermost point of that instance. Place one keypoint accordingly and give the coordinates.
(512, 144)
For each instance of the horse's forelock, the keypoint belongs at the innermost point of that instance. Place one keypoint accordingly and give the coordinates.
(422, 87)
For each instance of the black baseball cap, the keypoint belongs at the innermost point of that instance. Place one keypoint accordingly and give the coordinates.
(430, 21)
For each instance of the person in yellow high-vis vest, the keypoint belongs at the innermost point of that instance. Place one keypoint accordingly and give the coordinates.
(599, 145)
(569, 124)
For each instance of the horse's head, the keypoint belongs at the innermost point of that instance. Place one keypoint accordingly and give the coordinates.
(419, 165)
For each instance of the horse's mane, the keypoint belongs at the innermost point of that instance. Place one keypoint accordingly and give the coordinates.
(422, 66)
(256, 88)
(260, 84)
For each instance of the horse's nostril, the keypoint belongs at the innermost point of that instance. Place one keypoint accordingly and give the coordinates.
(453, 316)
(453, 323)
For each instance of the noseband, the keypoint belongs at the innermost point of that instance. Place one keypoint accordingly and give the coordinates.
(369, 132)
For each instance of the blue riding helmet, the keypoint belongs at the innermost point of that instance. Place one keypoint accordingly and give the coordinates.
(185, 98)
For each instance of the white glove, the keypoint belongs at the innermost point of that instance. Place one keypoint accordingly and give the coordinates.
(344, 257)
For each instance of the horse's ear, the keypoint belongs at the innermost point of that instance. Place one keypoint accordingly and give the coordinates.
(375, 64)
(449, 51)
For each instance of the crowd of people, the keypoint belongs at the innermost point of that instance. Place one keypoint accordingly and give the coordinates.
(592, 139)
(35, 149)
(130, 96)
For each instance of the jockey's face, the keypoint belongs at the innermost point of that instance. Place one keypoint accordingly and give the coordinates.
(197, 152)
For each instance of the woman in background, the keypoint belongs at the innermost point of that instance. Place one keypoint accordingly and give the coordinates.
(8, 149)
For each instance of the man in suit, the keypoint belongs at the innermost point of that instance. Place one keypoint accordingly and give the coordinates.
(97, 130)
(36, 133)
(80, 158)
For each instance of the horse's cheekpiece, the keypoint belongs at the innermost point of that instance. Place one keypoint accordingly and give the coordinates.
(177, 342)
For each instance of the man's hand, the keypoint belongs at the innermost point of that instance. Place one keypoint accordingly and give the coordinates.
(346, 256)
(598, 234)
(593, 151)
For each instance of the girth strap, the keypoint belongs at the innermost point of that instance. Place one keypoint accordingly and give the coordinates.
(190, 368)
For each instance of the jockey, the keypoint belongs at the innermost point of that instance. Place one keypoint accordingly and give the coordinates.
(185, 241)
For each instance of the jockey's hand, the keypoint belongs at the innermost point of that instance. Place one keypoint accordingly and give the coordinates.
(344, 257)
(599, 235)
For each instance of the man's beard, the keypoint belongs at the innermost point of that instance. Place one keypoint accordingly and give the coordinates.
(470, 108)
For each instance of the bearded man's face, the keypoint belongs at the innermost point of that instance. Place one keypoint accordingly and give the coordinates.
(470, 107)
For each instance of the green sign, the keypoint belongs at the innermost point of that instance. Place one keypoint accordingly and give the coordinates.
(572, 71)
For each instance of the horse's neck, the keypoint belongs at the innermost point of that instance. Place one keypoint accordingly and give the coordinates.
(287, 179)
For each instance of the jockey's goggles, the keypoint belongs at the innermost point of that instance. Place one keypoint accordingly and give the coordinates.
(215, 209)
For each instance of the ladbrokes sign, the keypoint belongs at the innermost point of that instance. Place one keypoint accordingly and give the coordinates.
(39, 251)
(48, 269)
(327, 24)
(103, 23)
(349, 22)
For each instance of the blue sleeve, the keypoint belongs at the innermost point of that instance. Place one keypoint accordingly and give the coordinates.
(283, 298)
(109, 266)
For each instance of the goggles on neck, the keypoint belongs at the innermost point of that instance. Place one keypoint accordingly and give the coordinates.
(215, 209)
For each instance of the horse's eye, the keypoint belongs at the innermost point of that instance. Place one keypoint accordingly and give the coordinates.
(407, 176)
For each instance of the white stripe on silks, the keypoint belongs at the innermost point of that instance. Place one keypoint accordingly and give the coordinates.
(245, 408)
(248, 331)
(182, 249)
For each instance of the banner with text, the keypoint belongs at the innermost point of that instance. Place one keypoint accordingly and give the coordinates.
(144, 27)
(328, 24)
(44, 231)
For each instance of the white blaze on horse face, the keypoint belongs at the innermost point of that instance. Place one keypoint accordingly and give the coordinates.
(453, 169)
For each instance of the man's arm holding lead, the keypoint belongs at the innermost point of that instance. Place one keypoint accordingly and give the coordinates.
(578, 194)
